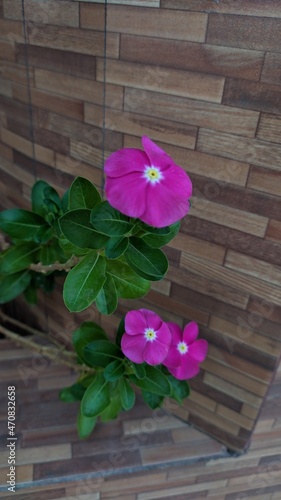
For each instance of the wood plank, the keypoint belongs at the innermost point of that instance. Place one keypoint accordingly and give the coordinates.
(7, 50)
(139, 21)
(229, 216)
(271, 72)
(191, 111)
(240, 148)
(269, 128)
(12, 31)
(241, 394)
(233, 31)
(16, 142)
(258, 96)
(71, 166)
(62, 13)
(246, 336)
(6, 87)
(199, 248)
(271, 8)
(253, 267)
(74, 40)
(233, 416)
(137, 124)
(63, 61)
(210, 288)
(264, 180)
(211, 59)
(240, 281)
(78, 88)
(154, 77)
(14, 72)
(274, 231)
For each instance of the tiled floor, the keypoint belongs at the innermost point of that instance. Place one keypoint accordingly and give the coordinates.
(141, 456)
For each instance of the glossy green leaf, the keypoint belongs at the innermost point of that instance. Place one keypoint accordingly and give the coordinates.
(101, 353)
(30, 294)
(150, 263)
(69, 249)
(152, 400)
(13, 285)
(128, 396)
(114, 408)
(65, 202)
(96, 397)
(73, 393)
(128, 284)
(51, 252)
(77, 228)
(85, 334)
(107, 298)
(155, 381)
(21, 224)
(85, 425)
(120, 332)
(109, 221)
(83, 194)
(160, 237)
(116, 246)
(180, 388)
(84, 282)
(19, 257)
(139, 370)
(37, 198)
(114, 370)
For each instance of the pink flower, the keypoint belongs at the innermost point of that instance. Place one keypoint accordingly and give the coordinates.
(147, 338)
(185, 352)
(147, 185)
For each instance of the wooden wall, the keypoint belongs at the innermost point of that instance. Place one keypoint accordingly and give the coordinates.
(202, 78)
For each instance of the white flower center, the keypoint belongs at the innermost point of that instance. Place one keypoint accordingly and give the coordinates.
(182, 347)
(150, 334)
(153, 174)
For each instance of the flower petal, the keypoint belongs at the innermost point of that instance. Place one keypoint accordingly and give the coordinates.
(156, 155)
(190, 333)
(188, 369)
(176, 333)
(198, 350)
(125, 161)
(135, 322)
(127, 194)
(152, 319)
(155, 352)
(133, 347)
(167, 201)
(173, 358)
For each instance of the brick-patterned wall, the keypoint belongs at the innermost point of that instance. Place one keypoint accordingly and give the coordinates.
(202, 78)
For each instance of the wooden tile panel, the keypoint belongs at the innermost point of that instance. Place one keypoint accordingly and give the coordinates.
(203, 81)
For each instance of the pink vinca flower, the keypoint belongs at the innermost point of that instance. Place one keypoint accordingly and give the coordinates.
(185, 352)
(147, 338)
(147, 185)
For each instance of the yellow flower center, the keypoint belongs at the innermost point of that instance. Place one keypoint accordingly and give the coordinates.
(153, 174)
(150, 334)
(182, 347)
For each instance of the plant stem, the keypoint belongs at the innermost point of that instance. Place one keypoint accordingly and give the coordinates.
(47, 351)
(56, 266)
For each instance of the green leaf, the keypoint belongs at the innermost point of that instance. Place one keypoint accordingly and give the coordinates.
(18, 257)
(101, 353)
(116, 246)
(150, 263)
(85, 425)
(114, 370)
(96, 397)
(87, 332)
(44, 199)
(155, 381)
(160, 237)
(65, 202)
(109, 221)
(128, 396)
(21, 224)
(30, 294)
(139, 370)
(128, 284)
(84, 282)
(83, 194)
(13, 285)
(180, 388)
(69, 249)
(152, 400)
(107, 298)
(113, 410)
(77, 228)
(73, 393)
(51, 252)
